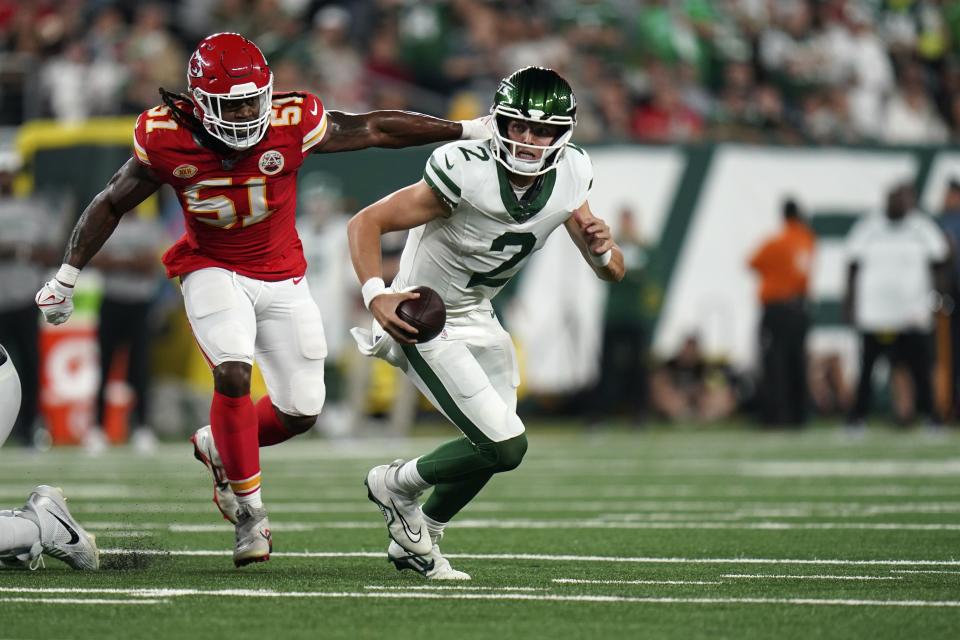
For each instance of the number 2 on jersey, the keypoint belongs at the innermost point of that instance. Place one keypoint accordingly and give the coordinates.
(526, 242)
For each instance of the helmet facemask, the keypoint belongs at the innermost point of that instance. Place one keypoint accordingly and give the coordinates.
(236, 135)
(507, 149)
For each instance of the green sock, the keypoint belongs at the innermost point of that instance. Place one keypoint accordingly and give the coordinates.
(449, 498)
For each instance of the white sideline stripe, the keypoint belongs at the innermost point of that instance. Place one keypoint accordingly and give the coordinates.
(578, 581)
(751, 576)
(844, 468)
(555, 558)
(83, 600)
(378, 587)
(922, 571)
(553, 524)
(412, 594)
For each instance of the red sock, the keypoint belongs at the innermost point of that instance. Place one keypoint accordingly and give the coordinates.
(269, 428)
(234, 425)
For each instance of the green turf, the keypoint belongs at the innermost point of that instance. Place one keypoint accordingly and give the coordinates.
(705, 510)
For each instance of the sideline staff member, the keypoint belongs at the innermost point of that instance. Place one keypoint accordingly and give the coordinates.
(783, 264)
(893, 263)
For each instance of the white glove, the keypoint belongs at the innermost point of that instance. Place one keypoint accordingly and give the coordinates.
(477, 129)
(378, 343)
(55, 300)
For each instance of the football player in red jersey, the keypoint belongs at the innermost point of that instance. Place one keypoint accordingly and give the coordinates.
(231, 151)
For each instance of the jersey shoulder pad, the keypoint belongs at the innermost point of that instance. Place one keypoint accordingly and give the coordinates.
(304, 110)
(154, 129)
(451, 165)
(582, 168)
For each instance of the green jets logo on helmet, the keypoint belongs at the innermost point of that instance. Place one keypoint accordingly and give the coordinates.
(533, 94)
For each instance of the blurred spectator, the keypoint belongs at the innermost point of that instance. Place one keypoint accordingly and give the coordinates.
(331, 62)
(890, 281)
(820, 70)
(950, 222)
(665, 118)
(26, 248)
(623, 384)
(688, 388)
(910, 116)
(783, 265)
(131, 276)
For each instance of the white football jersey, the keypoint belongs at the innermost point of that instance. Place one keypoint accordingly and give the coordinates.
(490, 233)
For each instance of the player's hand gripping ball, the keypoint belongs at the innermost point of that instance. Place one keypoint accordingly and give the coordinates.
(427, 313)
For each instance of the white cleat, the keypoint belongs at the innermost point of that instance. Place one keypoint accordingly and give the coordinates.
(254, 542)
(401, 511)
(60, 535)
(432, 566)
(205, 450)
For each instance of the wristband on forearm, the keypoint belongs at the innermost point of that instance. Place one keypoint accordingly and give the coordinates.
(603, 259)
(371, 289)
(67, 275)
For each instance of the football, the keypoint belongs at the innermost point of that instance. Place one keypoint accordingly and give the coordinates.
(427, 313)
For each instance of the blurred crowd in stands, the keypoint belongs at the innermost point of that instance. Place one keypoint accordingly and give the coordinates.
(789, 71)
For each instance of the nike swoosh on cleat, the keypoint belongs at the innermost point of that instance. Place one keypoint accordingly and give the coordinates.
(297, 280)
(414, 562)
(74, 536)
(413, 535)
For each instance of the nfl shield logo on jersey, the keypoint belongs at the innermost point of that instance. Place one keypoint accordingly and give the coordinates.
(271, 162)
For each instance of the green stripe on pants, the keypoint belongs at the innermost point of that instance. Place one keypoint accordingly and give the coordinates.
(443, 397)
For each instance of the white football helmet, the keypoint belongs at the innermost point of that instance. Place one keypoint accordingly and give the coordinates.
(9, 395)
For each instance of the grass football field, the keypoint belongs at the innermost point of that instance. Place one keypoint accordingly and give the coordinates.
(657, 534)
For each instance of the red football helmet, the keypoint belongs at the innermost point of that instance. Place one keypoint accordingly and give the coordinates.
(225, 67)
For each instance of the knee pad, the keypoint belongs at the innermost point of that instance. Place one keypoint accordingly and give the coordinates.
(509, 453)
(309, 393)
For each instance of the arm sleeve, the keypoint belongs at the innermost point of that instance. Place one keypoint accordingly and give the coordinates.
(444, 174)
(313, 123)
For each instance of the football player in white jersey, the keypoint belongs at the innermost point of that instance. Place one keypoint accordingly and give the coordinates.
(476, 216)
(44, 524)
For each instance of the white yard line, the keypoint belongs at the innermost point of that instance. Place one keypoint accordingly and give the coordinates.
(844, 468)
(578, 581)
(475, 523)
(559, 558)
(152, 596)
(83, 600)
(426, 587)
(923, 571)
(752, 576)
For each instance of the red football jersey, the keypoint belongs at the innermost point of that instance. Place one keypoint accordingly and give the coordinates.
(239, 216)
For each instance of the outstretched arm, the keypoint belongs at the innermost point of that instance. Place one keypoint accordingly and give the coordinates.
(128, 187)
(390, 129)
(404, 209)
(592, 237)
